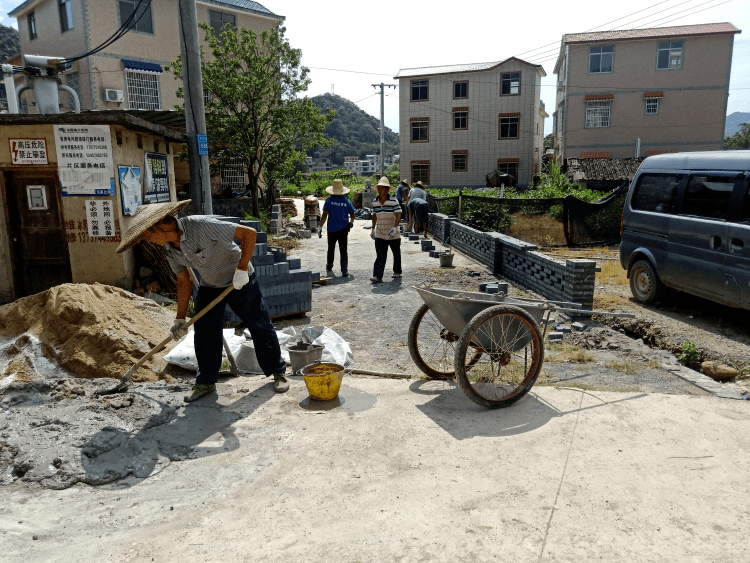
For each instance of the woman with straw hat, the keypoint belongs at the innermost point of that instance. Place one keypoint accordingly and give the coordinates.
(207, 245)
(341, 212)
(386, 215)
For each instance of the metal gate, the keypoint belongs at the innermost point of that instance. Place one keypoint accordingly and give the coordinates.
(38, 240)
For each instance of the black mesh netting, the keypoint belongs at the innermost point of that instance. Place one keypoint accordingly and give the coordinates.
(594, 223)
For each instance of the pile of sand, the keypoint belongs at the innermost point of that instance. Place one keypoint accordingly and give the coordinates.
(87, 330)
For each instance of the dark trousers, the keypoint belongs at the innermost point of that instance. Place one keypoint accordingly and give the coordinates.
(340, 236)
(381, 251)
(250, 307)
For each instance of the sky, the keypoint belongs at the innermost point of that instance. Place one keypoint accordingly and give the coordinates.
(349, 46)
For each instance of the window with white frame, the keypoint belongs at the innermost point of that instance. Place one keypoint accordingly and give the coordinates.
(143, 90)
(66, 15)
(137, 15)
(601, 59)
(32, 25)
(598, 113)
(460, 118)
(669, 56)
(652, 106)
(233, 174)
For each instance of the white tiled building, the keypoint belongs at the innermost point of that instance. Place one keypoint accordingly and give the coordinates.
(460, 122)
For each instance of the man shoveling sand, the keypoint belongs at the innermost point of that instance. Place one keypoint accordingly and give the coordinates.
(207, 245)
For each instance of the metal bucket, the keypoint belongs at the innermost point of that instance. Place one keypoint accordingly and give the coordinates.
(302, 354)
(446, 260)
(323, 380)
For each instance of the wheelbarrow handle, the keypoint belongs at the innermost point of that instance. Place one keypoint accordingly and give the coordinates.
(166, 341)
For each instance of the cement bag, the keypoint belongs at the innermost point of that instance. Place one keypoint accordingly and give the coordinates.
(337, 350)
(183, 354)
(287, 337)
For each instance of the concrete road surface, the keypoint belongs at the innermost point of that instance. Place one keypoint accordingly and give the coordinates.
(413, 471)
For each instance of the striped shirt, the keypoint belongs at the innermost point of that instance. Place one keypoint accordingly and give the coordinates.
(386, 214)
(206, 245)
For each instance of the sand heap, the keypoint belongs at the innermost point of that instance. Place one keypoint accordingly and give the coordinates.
(87, 330)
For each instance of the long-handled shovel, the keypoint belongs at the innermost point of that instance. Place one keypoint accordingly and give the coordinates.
(122, 385)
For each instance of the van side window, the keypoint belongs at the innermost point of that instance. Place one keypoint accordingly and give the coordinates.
(656, 192)
(745, 217)
(708, 196)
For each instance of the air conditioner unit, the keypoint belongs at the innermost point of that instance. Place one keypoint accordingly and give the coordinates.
(113, 95)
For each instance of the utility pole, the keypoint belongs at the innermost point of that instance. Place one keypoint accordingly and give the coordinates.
(195, 111)
(382, 124)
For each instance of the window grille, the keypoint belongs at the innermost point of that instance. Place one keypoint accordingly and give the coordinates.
(460, 162)
(598, 113)
(143, 90)
(3, 98)
(233, 174)
(508, 168)
(652, 106)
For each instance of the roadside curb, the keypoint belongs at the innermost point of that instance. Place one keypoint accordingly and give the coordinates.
(704, 382)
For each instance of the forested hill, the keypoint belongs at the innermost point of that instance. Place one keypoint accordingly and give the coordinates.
(10, 46)
(355, 130)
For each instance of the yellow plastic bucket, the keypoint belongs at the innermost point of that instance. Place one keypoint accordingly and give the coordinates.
(323, 380)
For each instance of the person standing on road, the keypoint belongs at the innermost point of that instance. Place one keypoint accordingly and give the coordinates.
(416, 192)
(207, 245)
(386, 215)
(419, 214)
(402, 195)
(341, 211)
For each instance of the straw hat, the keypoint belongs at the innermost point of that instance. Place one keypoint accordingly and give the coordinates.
(405, 182)
(384, 182)
(337, 188)
(146, 217)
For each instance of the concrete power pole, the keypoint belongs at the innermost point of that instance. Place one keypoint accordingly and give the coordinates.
(195, 111)
(382, 123)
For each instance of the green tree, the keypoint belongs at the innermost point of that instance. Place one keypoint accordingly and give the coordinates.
(740, 140)
(255, 112)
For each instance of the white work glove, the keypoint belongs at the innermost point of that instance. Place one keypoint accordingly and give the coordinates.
(372, 233)
(178, 333)
(393, 233)
(241, 279)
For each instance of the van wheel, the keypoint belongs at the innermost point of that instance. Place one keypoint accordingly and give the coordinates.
(644, 283)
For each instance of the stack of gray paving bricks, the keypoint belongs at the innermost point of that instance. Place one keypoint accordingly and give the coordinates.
(276, 224)
(286, 287)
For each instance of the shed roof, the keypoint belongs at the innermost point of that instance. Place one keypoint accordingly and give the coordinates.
(459, 69)
(166, 124)
(597, 169)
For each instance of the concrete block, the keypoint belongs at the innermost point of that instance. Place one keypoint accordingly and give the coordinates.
(555, 336)
(294, 263)
(490, 289)
(262, 260)
(564, 329)
(315, 276)
(304, 233)
(482, 287)
(261, 236)
(414, 237)
(578, 326)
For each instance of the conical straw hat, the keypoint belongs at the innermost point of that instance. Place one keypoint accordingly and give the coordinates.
(146, 217)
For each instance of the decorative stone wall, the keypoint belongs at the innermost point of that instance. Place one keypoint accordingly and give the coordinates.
(519, 262)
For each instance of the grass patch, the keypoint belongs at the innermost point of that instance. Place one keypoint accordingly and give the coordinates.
(568, 353)
(623, 367)
(541, 230)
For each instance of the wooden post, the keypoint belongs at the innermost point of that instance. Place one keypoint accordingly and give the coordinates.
(460, 197)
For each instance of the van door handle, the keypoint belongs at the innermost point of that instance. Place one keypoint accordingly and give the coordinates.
(714, 242)
(736, 245)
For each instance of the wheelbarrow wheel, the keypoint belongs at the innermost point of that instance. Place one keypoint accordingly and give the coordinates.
(432, 347)
(512, 354)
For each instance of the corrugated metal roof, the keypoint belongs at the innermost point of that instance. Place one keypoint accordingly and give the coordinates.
(457, 69)
(613, 169)
(651, 33)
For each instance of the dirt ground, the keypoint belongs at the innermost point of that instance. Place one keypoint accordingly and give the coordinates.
(718, 332)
